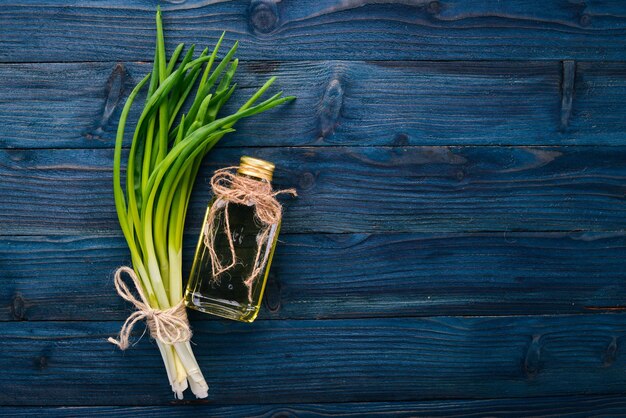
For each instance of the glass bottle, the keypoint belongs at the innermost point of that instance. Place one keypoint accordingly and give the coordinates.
(227, 296)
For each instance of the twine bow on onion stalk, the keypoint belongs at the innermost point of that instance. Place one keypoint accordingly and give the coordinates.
(168, 326)
(163, 161)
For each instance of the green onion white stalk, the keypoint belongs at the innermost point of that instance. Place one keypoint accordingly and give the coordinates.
(164, 158)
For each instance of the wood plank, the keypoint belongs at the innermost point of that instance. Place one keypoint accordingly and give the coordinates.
(344, 275)
(562, 406)
(340, 103)
(312, 29)
(364, 189)
(322, 361)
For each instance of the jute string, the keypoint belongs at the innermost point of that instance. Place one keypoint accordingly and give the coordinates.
(228, 188)
(166, 325)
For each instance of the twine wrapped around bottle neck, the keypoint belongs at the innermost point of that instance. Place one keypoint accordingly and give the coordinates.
(169, 326)
(229, 187)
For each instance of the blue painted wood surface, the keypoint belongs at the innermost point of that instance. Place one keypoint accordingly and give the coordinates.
(320, 276)
(457, 247)
(564, 406)
(351, 360)
(319, 29)
(351, 189)
(342, 103)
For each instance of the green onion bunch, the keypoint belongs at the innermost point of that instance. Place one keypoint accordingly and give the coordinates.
(163, 161)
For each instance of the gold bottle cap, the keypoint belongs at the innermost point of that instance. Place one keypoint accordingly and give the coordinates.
(255, 167)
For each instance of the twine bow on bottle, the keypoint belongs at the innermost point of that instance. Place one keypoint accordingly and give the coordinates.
(166, 325)
(229, 187)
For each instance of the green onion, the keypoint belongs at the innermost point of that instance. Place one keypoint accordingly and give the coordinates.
(163, 161)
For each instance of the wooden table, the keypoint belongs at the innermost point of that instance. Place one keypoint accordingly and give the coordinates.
(457, 247)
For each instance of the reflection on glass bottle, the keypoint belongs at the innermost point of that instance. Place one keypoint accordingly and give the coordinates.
(228, 295)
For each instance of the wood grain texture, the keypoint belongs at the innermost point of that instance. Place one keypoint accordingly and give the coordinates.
(312, 29)
(457, 247)
(70, 363)
(344, 275)
(340, 103)
(562, 406)
(365, 189)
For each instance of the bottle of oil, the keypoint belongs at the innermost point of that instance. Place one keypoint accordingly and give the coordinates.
(227, 295)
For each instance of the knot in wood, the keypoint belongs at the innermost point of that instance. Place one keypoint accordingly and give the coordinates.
(18, 308)
(330, 107)
(434, 7)
(41, 362)
(306, 181)
(263, 16)
(585, 20)
(532, 361)
(610, 354)
(273, 294)
(283, 414)
(114, 91)
(400, 140)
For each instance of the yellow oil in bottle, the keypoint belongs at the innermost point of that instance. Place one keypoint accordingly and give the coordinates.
(227, 296)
